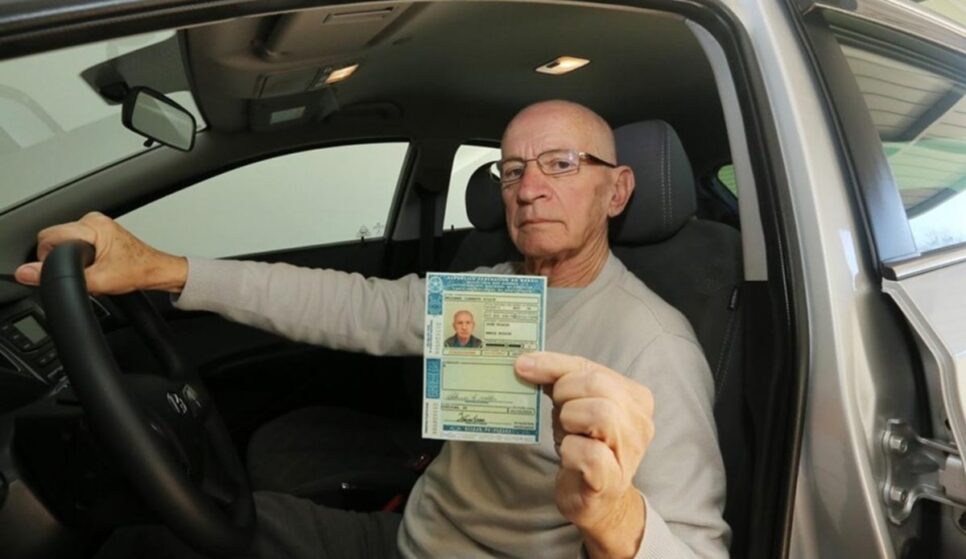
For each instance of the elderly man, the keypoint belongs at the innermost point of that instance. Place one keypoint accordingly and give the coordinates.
(463, 326)
(630, 466)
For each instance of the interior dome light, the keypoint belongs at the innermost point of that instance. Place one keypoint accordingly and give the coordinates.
(341, 74)
(562, 65)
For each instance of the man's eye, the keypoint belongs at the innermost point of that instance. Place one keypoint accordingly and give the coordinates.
(512, 173)
(559, 165)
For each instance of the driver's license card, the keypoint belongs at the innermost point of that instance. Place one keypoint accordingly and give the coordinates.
(476, 326)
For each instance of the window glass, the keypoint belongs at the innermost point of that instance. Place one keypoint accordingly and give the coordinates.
(49, 111)
(309, 198)
(468, 159)
(726, 174)
(921, 119)
(951, 9)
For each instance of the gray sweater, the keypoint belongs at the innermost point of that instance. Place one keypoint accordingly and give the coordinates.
(497, 500)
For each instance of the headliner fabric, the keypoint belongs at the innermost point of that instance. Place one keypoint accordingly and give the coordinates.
(484, 204)
(664, 198)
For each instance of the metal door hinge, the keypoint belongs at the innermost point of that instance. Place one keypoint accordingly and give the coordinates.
(919, 468)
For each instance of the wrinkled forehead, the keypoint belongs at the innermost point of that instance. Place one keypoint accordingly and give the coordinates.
(532, 133)
(465, 315)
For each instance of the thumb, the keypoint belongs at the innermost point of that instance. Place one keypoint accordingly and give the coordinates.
(28, 274)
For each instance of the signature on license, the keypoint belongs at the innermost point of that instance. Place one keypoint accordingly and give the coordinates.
(474, 419)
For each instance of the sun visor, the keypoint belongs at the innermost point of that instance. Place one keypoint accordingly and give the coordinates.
(324, 33)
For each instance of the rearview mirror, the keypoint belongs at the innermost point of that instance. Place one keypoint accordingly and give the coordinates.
(155, 116)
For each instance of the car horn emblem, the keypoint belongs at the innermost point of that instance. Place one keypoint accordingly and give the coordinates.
(177, 403)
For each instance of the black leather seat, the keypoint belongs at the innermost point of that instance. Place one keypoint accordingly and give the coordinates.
(693, 264)
(696, 266)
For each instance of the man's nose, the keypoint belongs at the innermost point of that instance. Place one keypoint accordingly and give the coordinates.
(533, 184)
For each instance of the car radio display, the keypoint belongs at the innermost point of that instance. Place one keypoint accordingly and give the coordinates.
(29, 327)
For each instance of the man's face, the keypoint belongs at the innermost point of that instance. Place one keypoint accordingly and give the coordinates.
(463, 324)
(553, 217)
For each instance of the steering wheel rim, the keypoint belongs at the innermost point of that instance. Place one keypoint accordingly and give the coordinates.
(132, 432)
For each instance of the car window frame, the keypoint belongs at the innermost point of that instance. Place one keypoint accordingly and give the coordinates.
(879, 205)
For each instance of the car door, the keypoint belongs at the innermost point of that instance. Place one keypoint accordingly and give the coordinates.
(895, 78)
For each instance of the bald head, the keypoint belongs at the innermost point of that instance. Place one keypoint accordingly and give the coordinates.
(589, 131)
(558, 220)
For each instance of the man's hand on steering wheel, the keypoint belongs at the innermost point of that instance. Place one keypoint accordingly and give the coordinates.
(122, 262)
(161, 430)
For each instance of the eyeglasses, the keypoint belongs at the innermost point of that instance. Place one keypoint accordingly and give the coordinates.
(553, 163)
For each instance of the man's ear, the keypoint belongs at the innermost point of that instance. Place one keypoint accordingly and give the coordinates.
(622, 191)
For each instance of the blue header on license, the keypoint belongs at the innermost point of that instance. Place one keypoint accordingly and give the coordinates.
(438, 283)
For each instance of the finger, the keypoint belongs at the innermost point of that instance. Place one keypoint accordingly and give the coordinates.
(59, 234)
(545, 367)
(605, 383)
(600, 383)
(597, 418)
(558, 430)
(28, 274)
(596, 463)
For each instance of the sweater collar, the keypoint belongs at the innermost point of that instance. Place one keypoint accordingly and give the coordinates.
(605, 279)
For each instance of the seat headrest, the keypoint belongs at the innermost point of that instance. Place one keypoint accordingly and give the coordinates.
(664, 198)
(484, 203)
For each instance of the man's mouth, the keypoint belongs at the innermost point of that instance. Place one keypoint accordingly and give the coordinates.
(527, 222)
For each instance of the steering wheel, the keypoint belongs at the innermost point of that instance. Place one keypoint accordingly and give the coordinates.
(163, 432)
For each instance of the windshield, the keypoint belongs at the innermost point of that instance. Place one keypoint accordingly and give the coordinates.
(54, 126)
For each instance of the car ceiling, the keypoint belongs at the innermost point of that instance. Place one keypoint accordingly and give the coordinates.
(455, 69)
(442, 72)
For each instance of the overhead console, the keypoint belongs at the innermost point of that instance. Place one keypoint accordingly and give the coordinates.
(270, 72)
(297, 52)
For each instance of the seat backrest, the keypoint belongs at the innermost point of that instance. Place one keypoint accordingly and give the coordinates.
(487, 243)
(695, 265)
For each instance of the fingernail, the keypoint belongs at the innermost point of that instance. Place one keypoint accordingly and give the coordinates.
(27, 273)
(525, 362)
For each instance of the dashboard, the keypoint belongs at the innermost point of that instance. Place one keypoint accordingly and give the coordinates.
(29, 364)
(26, 348)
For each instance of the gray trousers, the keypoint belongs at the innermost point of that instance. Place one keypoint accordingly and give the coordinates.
(288, 528)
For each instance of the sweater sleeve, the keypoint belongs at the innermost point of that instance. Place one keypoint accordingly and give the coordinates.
(324, 307)
(682, 476)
